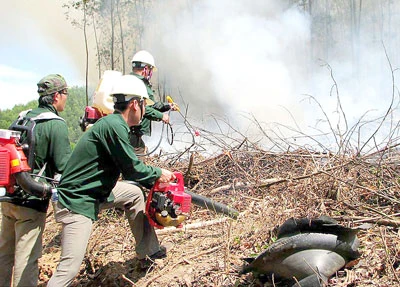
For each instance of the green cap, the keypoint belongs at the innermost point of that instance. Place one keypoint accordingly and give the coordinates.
(50, 84)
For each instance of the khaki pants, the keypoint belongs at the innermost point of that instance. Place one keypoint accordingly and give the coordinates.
(20, 244)
(76, 231)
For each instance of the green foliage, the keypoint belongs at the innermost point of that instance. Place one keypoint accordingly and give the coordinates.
(73, 111)
(8, 116)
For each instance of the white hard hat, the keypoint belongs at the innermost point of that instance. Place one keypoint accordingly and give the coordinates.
(144, 57)
(128, 87)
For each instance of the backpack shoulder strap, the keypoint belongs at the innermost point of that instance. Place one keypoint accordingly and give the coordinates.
(26, 127)
(42, 116)
(23, 114)
(47, 116)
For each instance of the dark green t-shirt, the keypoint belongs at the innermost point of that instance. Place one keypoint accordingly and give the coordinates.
(100, 156)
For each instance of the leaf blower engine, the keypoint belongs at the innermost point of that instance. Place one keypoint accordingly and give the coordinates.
(14, 169)
(167, 203)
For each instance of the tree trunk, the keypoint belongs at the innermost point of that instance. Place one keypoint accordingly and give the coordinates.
(97, 47)
(87, 52)
(122, 37)
(112, 34)
(328, 36)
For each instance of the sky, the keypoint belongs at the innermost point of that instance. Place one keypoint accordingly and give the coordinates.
(36, 40)
(221, 58)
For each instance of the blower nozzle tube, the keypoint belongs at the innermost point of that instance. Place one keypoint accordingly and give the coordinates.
(212, 205)
(29, 185)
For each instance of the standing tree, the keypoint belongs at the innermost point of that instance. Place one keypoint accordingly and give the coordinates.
(118, 27)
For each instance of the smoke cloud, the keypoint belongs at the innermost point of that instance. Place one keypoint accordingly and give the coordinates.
(235, 58)
(227, 57)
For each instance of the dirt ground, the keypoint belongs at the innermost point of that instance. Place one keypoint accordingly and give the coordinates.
(267, 189)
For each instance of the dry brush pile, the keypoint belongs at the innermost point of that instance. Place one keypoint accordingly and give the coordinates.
(266, 188)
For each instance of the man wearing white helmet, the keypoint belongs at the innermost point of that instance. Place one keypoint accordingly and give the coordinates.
(143, 66)
(99, 157)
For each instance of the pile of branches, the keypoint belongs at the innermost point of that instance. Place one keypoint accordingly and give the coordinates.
(266, 188)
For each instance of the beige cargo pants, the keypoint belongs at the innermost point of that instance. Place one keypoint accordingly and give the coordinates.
(20, 244)
(76, 231)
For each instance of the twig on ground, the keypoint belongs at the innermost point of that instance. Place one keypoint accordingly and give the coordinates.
(191, 226)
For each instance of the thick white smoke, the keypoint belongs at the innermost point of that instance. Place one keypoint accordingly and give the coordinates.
(227, 57)
(231, 58)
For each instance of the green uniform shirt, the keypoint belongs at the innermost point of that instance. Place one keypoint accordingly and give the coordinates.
(52, 146)
(100, 156)
(151, 112)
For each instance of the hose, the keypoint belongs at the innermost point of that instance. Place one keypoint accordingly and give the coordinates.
(6, 199)
(159, 141)
(212, 205)
(30, 186)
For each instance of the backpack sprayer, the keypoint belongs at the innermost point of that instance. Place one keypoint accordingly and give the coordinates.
(14, 169)
(102, 102)
(12, 162)
(103, 105)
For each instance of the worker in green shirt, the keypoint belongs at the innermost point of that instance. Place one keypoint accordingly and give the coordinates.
(143, 66)
(24, 219)
(101, 155)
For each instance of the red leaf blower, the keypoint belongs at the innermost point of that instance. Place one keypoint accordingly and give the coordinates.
(14, 169)
(12, 161)
(167, 203)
